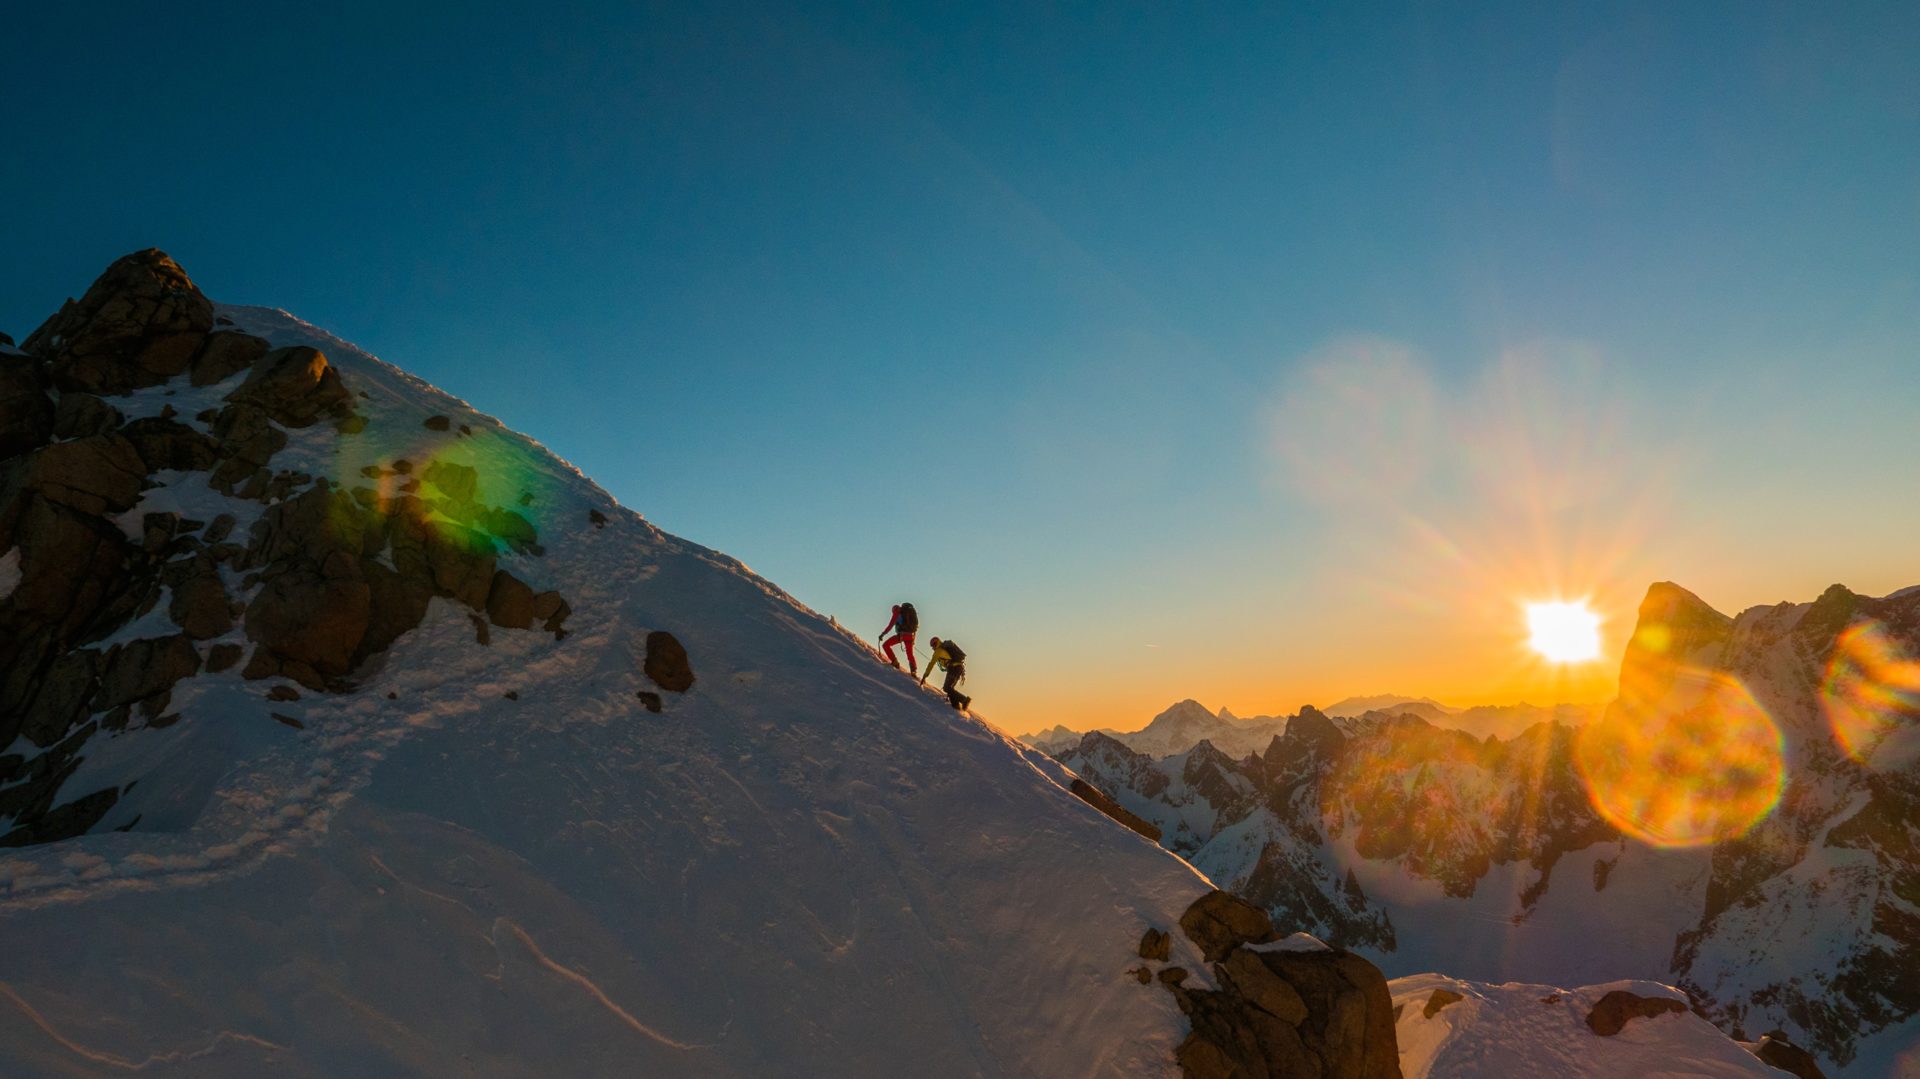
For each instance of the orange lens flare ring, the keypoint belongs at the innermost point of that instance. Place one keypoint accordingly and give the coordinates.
(1871, 689)
(1695, 763)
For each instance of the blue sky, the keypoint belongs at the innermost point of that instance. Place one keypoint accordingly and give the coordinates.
(1154, 352)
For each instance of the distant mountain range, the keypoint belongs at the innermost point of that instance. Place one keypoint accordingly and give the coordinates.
(1743, 821)
(1187, 723)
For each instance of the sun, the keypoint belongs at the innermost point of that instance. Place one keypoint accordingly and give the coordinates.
(1564, 632)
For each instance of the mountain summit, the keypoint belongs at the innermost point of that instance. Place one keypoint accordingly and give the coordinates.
(344, 731)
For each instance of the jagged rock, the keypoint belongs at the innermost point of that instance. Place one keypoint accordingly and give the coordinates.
(295, 386)
(96, 475)
(200, 605)
(223, 656)
(460, 483)
(598, 519)
(26, 413)
(1323, 1013)
(164, 443)
(247, 441)
(510, 601)
(1254, 980)
(1219, 922)
(1172, 976)
(437, 423)
(1611, 1013)
(1156, 944)
(1439, 999)
(226, 354)
(666, 662)
(1091, 795)
(219, 529)
(81, 414)
(650, 700)
(1775, 1051)
(138, 325)
(313, 617)
(142, 669)
(283, 693)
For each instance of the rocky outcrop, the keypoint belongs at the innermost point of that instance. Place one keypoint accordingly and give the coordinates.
(1091, 795)
(1219, 922)
(139, 325)
(1612, 1013)
(326, 578)
(26, 412)
(225, 355)
(1279, 1012)
(666, 663)
(1776, 1051)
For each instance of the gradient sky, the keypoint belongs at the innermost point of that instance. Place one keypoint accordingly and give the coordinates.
(1261, 354)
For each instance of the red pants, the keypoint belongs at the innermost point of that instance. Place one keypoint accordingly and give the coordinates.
(886, 648)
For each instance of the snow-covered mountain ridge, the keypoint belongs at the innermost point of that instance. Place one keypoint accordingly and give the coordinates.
(1740, 822)
(434, 760)
(349, 733)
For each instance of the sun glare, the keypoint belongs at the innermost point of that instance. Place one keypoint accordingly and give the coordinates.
(1564, 632)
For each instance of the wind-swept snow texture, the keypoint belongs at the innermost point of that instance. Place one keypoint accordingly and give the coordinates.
(805, 865)
(1521, 1031)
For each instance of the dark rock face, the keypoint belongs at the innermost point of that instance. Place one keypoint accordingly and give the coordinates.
(295, 387)
(139, 325)
(81, 414)
(1322, 1013)
(226, 354)
(1091, 795)
(26, 412)
(331, 576)
(1219, 922)
(1156, 944)
(1775, 1051)
(666, 662)
(1612, 1012)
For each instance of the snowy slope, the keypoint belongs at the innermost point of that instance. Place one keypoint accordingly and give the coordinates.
(1521, 1030)
(805, 865)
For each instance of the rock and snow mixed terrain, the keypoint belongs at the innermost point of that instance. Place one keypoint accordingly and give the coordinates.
(479, 845)
(345, 732)
(1741, 823)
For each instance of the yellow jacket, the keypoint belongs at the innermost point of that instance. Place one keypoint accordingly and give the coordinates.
(940, 656)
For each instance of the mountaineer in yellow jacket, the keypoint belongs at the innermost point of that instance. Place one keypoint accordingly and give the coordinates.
(952, 660)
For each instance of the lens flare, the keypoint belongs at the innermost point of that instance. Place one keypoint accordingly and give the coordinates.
(1689, 761)
(1871, 691)
(1563, 632)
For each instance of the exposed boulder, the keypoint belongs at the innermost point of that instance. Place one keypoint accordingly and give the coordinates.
(437, 423)
(1156, 944)
(199, 605)
(96, 475)
(165, 443)
(1219, 922)
(1775, 1051)
(226, 354)
(313, 617)
(143, 669)
(1612, 1012)
(1094, 797)
(296, 387)
(510, 601)
(1325, 1014)
(26, 412)
(650, 700)
(666, 662)
(81, 414)
(223, 656)
(138, 325)
(1439, 999)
